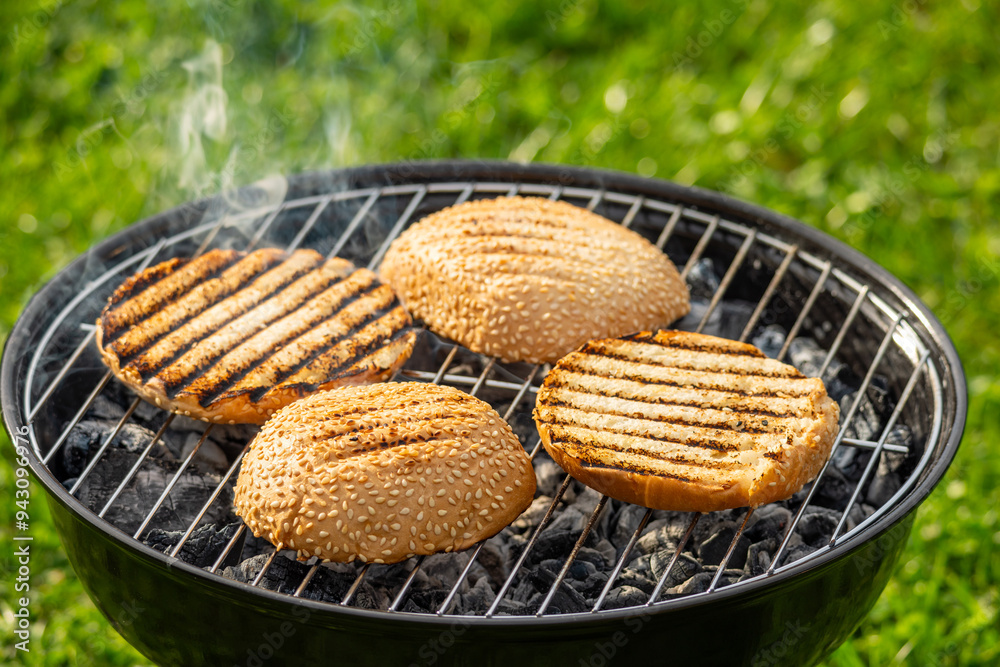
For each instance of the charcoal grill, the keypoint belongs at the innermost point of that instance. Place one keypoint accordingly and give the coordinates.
(785, 274)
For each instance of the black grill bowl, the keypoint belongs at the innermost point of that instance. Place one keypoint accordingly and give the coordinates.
(179, 614)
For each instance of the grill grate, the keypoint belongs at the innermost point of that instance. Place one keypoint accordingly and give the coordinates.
(353, 223)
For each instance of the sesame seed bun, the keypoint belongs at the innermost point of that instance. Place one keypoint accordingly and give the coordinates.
(382, 473)
(528, 279)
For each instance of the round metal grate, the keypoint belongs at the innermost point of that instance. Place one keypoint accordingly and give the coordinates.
(754, 276)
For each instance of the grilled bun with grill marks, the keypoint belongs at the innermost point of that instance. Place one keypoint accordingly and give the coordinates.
(231, 337)
(382, 473)
(528, 279)
(681, 421)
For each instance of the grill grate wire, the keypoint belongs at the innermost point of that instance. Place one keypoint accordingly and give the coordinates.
(261, 222)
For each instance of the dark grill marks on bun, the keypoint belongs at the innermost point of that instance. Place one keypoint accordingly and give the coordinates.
(231, 337)
(682, 421)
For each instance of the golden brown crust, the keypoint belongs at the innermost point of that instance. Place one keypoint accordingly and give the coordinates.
(382, 473)
(232, 337)
(528, 279)
(687, 422)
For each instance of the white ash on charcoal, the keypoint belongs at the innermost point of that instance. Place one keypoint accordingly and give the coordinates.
(893, 468)
(700, 583)
(86, 439)
(759, 557)
(330, 583)
(729, 315)
(691, 570)
(202, 548)
(190, 491)
(548, 475)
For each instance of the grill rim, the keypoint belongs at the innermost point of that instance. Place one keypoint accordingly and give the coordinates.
(932, 334)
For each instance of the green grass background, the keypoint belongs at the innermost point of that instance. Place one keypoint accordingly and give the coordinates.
(875, 121)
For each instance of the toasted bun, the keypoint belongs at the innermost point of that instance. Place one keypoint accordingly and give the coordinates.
(528, 279)
(687, 422)
(383, 473)
(232, 337)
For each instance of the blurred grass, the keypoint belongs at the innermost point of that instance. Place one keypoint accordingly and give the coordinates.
(873, 121)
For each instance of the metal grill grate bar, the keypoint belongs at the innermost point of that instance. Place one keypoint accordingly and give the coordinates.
(102, 383)
(212, 233)
(264, 569)
(661, 584)
(734, 266)
(308, 225)
(462, 380)
(138, 464)
(401, 595)
(772, 287)
(668, 229)
(729, 552)
(264, 227)
(868, 444)
(229, 547)
(595, 200)
(848, 321)
(852, 411)
(806, 309)
(353, 224)
(877, 454)
(215, 494)
(398, 227)
(173, 482)
(572, 556)
(699, 249)
(349, 595)
(633, 211)
(527, 548)
(104, 446)
(63, 370)
(305, 581)
(620, 564)
(453, 591)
